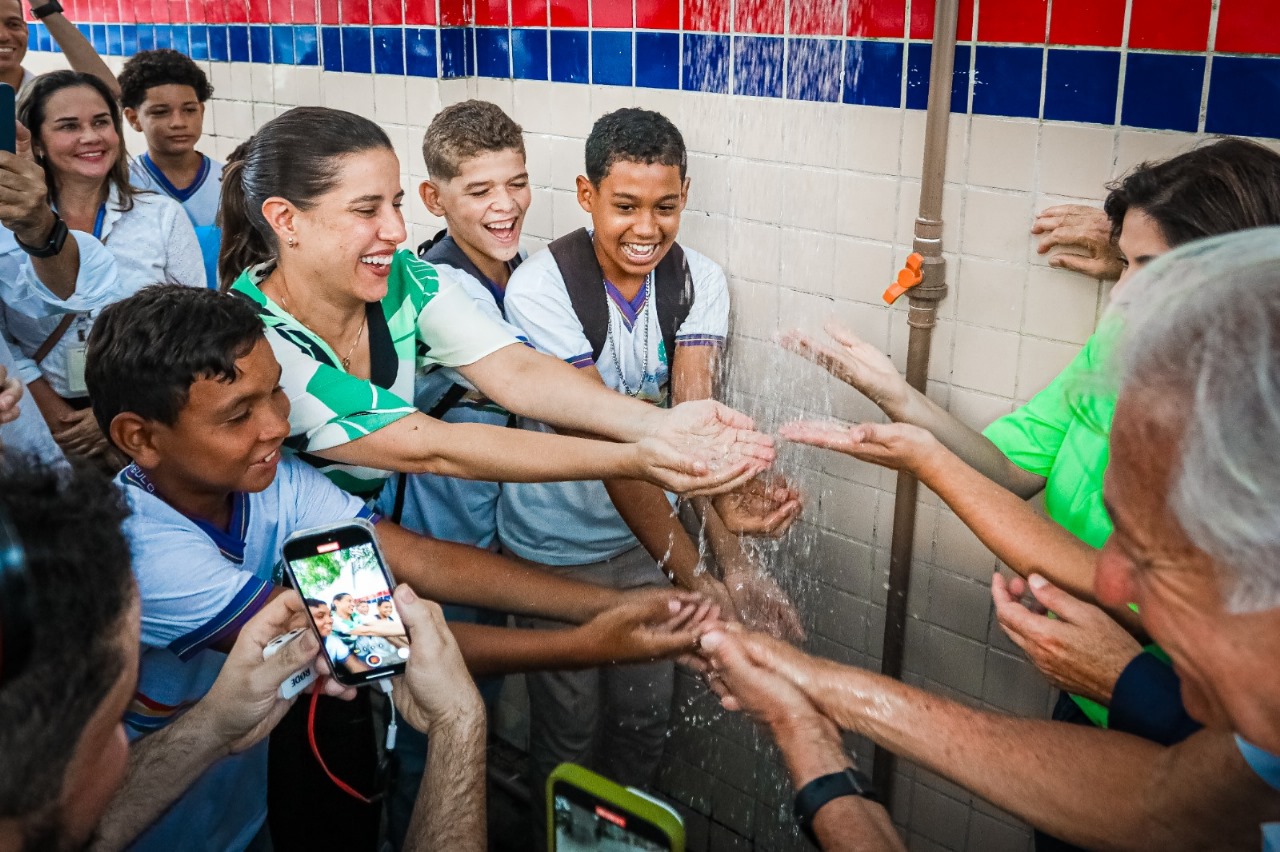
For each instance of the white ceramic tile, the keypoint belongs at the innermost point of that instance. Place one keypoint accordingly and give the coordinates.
(755, 190)
(260, 114)
(868, 322)
(809, 198)
(571, 110)
(753, 309)
(706, 234)
(867, 206)
(566, 214)
(807, 260)
(1002, 153)
(538, 218)
(500, 92)
(975, 409)
(606, 99)
(220, 79)
(997, 225)
(985, 360)
(755, 251)
(811, 132)
(390, 99)
(422, 99)
(708, 184)
(1061, 305)
(456, 91)
(870, 139)
(566, 162)
(758, 129)
(990, 293)
(537, 156)
(862, 271)
(706, 121)
(530, 106)
(285, 84)
(351, 92)
(1141, 146)
(307, 81)
(1041, 361)
(262, 83)
(1076, 160)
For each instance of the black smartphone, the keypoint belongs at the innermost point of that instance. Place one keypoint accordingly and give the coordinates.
(8, 119)
(344, 581)
(588, 811)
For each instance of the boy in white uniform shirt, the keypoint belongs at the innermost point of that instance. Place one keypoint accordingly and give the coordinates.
(163, 93)
(612, 720)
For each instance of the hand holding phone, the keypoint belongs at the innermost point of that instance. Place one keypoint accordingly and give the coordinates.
(340, 572)
(300, 679)
(437, 686)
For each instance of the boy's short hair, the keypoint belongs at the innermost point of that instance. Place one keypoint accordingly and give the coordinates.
(464, 130)
(146, 351)
(635, 135)
(147, 69)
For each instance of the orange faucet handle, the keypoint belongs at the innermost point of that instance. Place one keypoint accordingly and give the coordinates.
(908, 277)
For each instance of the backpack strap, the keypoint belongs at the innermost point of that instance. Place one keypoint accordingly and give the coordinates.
(584, 280)
(673, 289)
(427, 245)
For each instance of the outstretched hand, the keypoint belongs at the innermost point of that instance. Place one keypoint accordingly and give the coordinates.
(743, 683)
(762, 605)
(1082, 650)
(1086, 233)
(855, 362)
(703, 447)
(765, 506)
(651, 625)
(899, 446)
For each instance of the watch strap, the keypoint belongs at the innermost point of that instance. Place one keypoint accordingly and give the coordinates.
(817, 793)
(46, 9)
(53, 245)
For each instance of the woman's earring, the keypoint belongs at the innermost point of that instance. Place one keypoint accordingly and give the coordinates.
(293, 243)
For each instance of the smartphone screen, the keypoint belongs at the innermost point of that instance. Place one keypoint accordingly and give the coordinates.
(586, 820)
(344, 581)
(8, 119)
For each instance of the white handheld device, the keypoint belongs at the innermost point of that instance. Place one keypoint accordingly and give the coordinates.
(300, 679)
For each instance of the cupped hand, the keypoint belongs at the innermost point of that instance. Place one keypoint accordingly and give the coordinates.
(701, 448)
(10, 394)
(1078, 227)
(78, 434)
(244, 705)
(855, 362)
(765, 506)
(762, 605)
(436, 688)
(1081, 649)
(899, 446)
(651, 625)
(743, 683)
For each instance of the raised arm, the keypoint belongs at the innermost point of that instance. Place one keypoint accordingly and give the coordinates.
(869, 371)
(1095, 788)
(81, 55)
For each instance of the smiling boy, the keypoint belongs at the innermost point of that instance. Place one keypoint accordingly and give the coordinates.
(185, 383)
(163, 93)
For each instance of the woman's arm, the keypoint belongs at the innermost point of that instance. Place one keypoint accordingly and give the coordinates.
(869, 371)
(80, 54)
(417, 443)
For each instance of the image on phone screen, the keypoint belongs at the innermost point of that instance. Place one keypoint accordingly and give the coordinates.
(585, 822)
(347, 591)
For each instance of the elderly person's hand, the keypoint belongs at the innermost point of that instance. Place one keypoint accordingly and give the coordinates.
(743, 684)
(10, 394)
(899, 446)
(24, 196)
(244, 705)
(1082, 650)
(854, 362)
(1085, 234)
(437, 689)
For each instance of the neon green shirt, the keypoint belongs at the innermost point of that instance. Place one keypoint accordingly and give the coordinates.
(1062, 434)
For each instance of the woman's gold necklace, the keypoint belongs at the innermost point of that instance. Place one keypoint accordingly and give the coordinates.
(346, 362)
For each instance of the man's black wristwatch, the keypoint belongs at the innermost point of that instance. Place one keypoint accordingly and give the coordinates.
(53, 245)
(45, 10)
(821, 790)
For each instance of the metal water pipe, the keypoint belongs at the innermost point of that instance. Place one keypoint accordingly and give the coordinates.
(924, 283)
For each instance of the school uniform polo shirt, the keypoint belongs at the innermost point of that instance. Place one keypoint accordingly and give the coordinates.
(423, 321)
(200, 200)
(445, 507)
(199, 585)
(575, 523)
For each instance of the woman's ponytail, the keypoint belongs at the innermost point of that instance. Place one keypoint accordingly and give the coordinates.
(243, 245)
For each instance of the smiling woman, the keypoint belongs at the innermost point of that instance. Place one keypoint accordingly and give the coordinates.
(75, 126)
(311, 224)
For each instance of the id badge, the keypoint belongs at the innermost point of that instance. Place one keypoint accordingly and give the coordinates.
(75, 370)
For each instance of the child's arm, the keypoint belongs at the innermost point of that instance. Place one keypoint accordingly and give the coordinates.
(80, 54)
(648, 627)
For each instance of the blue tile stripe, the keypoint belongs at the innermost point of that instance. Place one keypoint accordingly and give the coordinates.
(1136, 88)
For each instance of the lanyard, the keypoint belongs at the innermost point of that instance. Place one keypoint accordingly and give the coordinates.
(99, 222)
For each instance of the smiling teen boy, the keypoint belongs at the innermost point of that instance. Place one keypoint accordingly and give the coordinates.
(185, 383)
(163, 93)
(647, 319)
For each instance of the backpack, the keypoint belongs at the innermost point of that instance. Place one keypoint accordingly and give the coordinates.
(575, 255)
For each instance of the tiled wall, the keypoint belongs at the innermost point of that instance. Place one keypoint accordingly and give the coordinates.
(805, 135)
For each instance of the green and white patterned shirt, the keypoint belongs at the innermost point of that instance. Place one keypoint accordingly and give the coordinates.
(423, 320)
